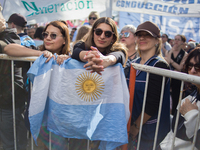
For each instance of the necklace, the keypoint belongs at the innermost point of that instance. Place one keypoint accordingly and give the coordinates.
(132, 55)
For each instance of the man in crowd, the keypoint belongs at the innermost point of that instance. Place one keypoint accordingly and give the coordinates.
(31, 30)
(6, 105)
(19, 22)
(165, 45)
(72, 33)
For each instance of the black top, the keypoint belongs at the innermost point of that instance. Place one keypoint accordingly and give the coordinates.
(7, 37)
(80, 46)
(154, 90)
(178, 58)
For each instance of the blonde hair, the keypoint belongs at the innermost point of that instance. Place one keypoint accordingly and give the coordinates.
(65, 32)
(94, 13)
(82, 31)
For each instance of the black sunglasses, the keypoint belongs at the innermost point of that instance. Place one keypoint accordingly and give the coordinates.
(94, 18)
(52, 35)
(196, 67)
(147, 35)
(99, 32)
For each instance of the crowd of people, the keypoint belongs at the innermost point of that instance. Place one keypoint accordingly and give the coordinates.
(99, 45)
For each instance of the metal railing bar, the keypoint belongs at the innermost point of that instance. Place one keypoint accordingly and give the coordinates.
(168, 73)
(149, 69)
(159, 112)
(88, 144)
(32, 142)
(177, 115)
(13, 104)
(6, 57)
(49, 140)
(143, 108)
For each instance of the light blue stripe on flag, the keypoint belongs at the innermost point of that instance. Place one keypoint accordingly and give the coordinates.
(75, 103)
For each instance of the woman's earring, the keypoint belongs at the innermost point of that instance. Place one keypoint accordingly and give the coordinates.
(111, 43)
(156, 45)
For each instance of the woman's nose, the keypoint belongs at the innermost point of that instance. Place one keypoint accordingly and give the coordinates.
(193, 69)
(102, 35)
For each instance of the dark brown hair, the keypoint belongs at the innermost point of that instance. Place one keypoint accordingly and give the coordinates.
(183, 38)
(195, 53)
(65, 32)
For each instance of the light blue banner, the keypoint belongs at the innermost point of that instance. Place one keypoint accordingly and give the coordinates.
(188, 26)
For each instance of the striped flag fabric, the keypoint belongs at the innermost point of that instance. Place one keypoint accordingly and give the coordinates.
(74, 103)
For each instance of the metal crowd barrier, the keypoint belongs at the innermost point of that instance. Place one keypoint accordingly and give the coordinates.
(171, 74)
(165, 73)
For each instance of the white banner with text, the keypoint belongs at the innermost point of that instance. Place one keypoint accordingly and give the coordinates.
(182, 8)
(171, 25)
(37, 11)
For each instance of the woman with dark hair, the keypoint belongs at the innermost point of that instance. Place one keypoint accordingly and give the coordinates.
(100, 49)
(176, 57)
(190, 106)
(56, 40)
(38, 38)
(149, 48)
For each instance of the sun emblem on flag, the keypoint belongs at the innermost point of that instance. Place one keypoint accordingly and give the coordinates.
(89, 86)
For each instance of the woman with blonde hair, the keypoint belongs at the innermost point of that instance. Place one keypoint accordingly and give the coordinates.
(149, 48)
(93, 16)
(100, 49)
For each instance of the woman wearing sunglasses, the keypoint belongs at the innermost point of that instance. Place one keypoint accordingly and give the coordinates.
(56, 40)
(100, 48)
(149, 49)
(127, 36)
(189, 107)
(176, 57)
(93, 16)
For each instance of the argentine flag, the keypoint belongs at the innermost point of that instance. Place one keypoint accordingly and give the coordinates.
(74, 103)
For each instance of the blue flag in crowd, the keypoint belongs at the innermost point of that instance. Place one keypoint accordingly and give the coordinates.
(74, 103)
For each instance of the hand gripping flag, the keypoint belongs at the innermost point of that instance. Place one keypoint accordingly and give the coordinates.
(74, 103)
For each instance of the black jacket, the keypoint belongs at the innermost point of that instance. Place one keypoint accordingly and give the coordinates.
(7, 37)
